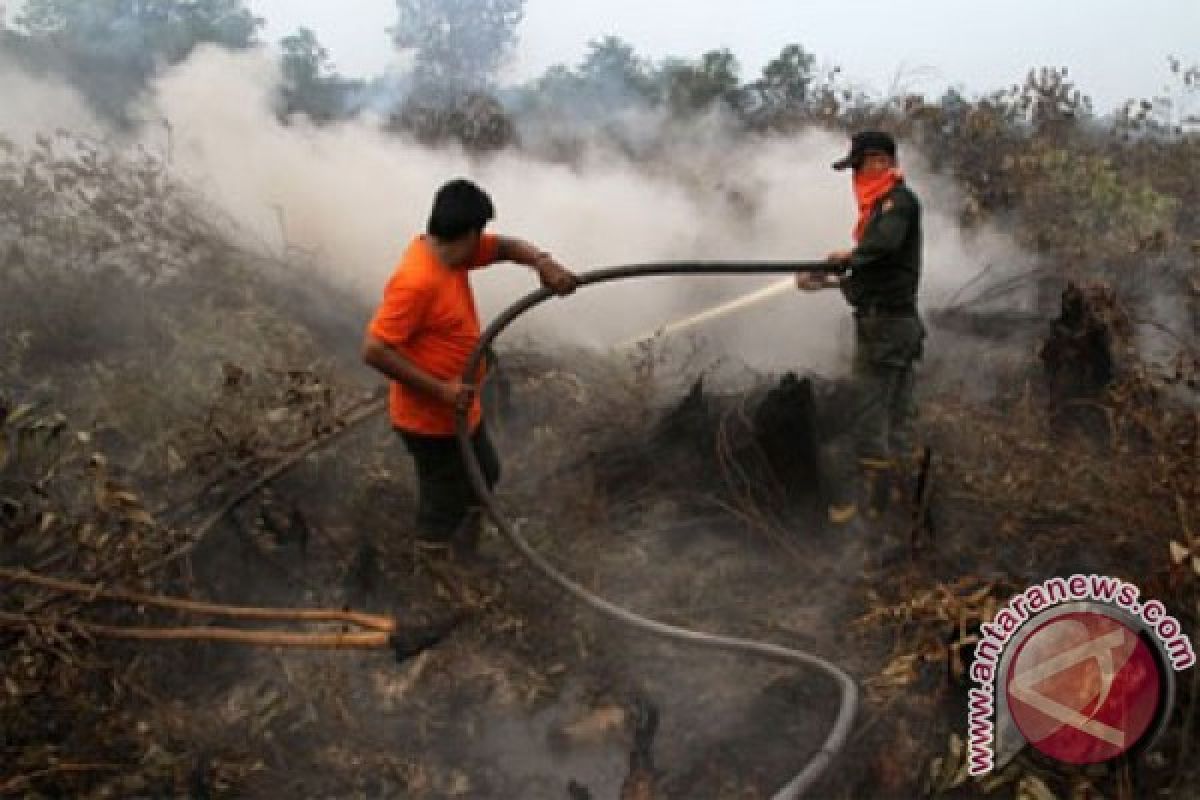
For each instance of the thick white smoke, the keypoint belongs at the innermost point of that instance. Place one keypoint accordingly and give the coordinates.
(30, 106)
(355, 195)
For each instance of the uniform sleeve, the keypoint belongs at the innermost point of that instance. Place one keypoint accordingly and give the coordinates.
(400, 315)
(886, 233)
(488, 252)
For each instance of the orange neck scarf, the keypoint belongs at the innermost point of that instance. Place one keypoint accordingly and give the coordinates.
(868, 190)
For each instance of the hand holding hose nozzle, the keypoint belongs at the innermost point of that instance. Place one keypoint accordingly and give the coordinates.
(811, 282)
(838, 262)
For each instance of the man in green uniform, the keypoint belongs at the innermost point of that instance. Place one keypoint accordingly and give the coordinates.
(879, 280)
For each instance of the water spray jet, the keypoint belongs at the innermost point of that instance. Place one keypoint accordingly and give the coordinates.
(716, 312)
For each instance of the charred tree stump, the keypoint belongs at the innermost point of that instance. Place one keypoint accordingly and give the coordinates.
(785, 427)
(1080, 358)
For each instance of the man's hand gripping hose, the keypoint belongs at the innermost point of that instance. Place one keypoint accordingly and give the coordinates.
(836, 739)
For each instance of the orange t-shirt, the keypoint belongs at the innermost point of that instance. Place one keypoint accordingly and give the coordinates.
(428, 315)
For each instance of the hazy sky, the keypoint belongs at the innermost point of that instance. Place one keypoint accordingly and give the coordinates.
(1115, 48)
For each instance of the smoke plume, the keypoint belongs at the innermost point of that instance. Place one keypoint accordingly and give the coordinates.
(353, 196)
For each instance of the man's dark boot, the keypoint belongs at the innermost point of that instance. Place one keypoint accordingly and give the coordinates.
(465, 541)
(875, 486)
(433, 543)
(840, 493)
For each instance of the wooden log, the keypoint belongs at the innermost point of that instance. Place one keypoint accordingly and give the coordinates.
(372, 640)
(91, 591)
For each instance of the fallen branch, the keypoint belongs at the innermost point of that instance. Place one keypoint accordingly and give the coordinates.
(373, 640)
(403, 643)
(372, 621)
(384, 633)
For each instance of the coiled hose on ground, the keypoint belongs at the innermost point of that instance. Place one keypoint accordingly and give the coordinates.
(836, 739)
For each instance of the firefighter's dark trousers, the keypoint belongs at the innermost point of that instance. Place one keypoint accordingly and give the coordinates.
(886, 349)
(447, 504)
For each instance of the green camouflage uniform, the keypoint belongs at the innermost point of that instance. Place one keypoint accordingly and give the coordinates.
(884, 271)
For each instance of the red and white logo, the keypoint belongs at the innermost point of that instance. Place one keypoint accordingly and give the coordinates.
(1083, 687)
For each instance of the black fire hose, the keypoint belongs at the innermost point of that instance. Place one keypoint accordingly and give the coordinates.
(849, 691)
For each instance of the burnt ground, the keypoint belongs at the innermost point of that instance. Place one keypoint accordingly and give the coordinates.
(529, 690)
(681, 504)
(697, 505)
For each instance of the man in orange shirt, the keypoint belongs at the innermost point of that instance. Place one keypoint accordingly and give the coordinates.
(421, 338)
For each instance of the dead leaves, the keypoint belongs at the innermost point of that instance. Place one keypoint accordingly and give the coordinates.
(114, 499)
(73, 200)
(940, 623)
(1184, 556)
(393, 689)
(62, 503)
(596, 726)
(899, 673)
(949, 772)
(254, 418)
(1020, 779)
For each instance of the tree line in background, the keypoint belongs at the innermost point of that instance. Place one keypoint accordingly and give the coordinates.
(1082, 186)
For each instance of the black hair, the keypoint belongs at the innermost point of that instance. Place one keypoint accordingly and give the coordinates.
(459, 207)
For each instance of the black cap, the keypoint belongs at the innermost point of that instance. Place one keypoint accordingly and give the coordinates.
(867, 142)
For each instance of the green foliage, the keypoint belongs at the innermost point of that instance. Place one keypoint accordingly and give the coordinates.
(791, 93)
(311, 85)
(1086, 205)
(164, 28)
(612, 62)
(304, 60)
(611, 78)
(791, 75)
(110, 48)
(1050, 101)
(694, 86)
(457, 44)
